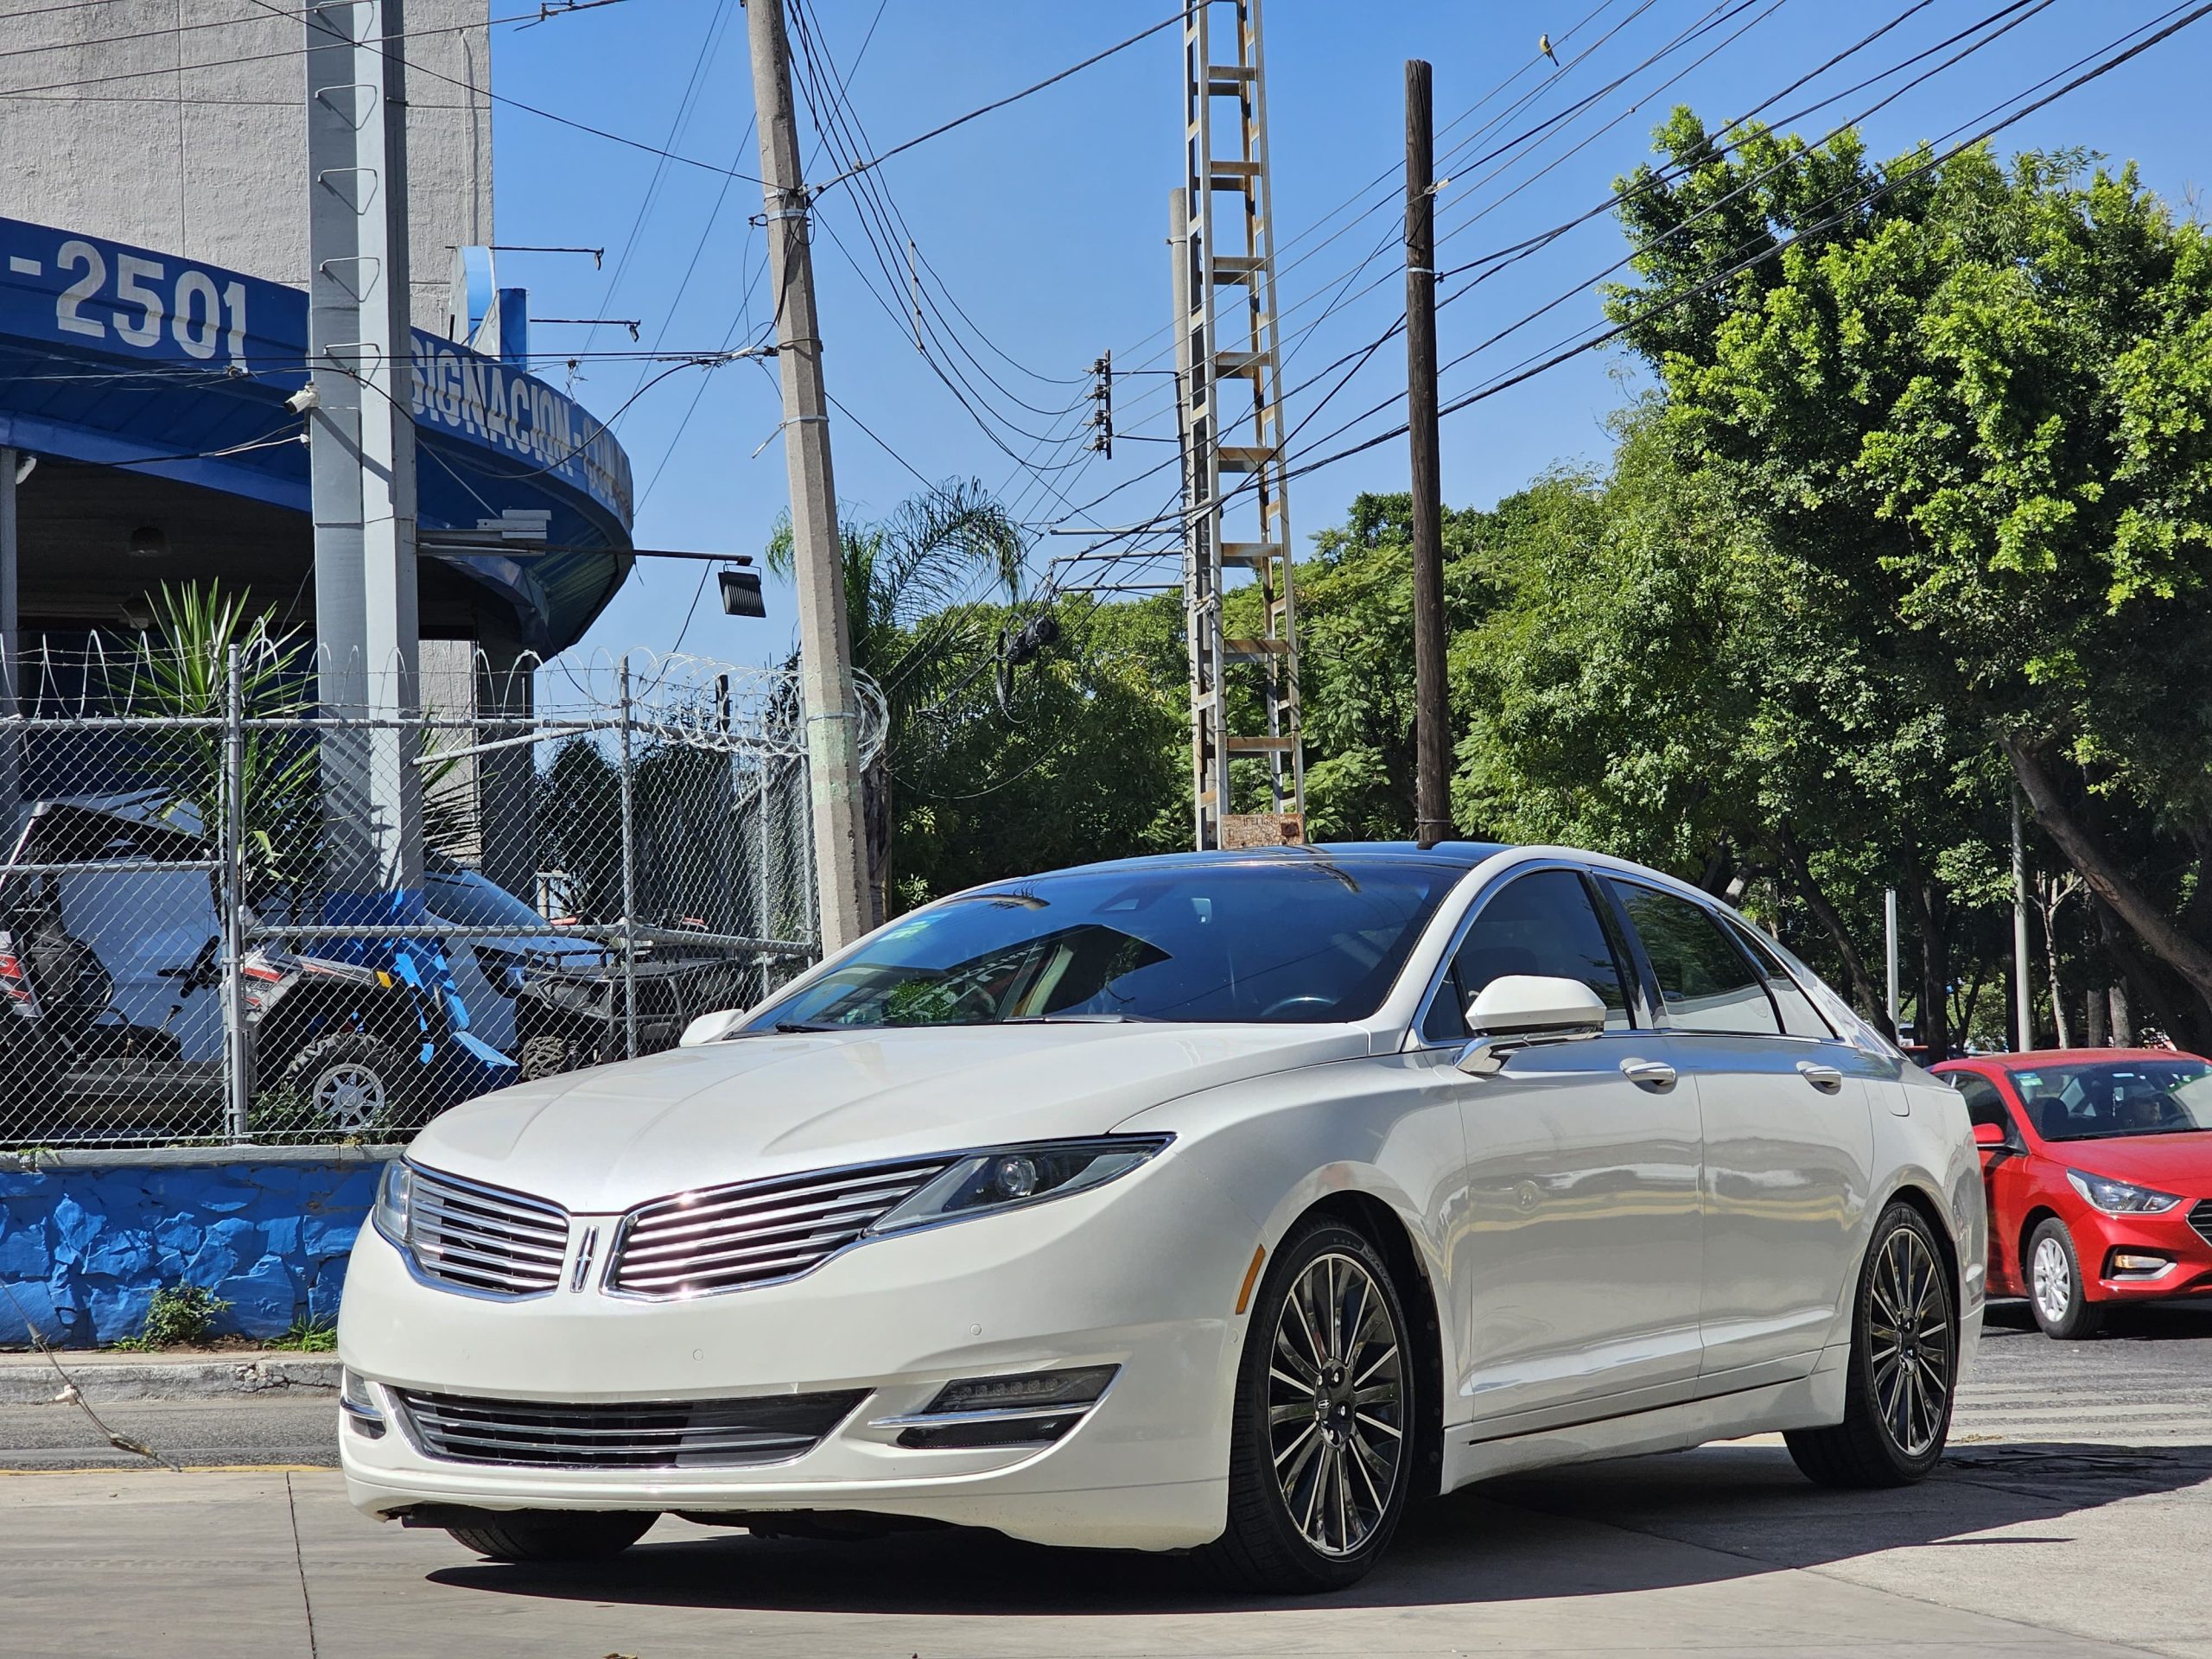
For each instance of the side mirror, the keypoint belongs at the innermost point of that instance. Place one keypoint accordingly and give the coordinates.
(1992, 1140)
(1516, 1003)
(1516, 1011)
(711, 1027)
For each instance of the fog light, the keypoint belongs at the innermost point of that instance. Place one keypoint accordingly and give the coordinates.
(2136, 1262)
(359, 1406)
(1029, 1409)
(1079, 1387)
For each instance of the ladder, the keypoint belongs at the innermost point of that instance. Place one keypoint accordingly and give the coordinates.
(1237, 509)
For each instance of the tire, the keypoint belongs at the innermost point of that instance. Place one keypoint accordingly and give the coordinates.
(1348, 1458)
(544, 1056)
(2058, 1295)
(352, 1083)
(1898, 1392)
(554, 1535)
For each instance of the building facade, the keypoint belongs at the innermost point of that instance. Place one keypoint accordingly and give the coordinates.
(178, 124)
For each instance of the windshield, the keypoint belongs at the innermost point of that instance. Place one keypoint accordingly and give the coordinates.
(1293, 942)
(2111, 1098)
(466, 900)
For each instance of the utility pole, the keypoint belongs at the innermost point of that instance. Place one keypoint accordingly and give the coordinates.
(2022, 974)
(833, 711)
(1432, 711)
(361, 456)
(1233, 426)
(1890, 951)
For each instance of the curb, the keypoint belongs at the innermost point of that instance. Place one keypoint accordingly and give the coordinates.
(29, 1380)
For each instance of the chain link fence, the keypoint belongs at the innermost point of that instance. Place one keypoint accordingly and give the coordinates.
(213, 929)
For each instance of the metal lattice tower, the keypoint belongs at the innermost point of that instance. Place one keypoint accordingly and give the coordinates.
(1230, 364)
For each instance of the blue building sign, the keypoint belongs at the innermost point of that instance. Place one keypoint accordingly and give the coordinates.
(115, 355)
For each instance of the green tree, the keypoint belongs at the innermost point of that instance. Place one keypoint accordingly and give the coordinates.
(1969, 408)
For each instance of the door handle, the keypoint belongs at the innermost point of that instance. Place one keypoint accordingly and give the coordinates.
(1826, 1078)
(1649, 1074)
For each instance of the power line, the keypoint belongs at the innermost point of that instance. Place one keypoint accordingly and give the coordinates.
(1887, 186)
(873, 162)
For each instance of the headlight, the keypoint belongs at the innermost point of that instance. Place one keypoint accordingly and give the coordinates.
(393, 1194)
(987, 1181)
(2121, 1198)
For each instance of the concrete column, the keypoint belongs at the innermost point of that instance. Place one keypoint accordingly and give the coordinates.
(10, 645)
(362, 448)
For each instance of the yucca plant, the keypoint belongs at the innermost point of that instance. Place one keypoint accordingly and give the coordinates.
(183, 673)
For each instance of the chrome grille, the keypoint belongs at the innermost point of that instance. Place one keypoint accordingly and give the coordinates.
(628, 1434)
(484, 1238)
(731, 1237)
(2200, 1219)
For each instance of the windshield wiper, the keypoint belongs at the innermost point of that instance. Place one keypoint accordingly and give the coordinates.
(1078, 1020)
(796, 1025)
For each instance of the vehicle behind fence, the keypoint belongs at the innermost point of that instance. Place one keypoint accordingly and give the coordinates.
(183, 959)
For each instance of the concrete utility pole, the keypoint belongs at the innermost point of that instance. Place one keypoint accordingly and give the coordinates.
(1431, 710)
(1890, 950)
(361, 449)
(11, 647)
(2024, 1003)
(833, 711)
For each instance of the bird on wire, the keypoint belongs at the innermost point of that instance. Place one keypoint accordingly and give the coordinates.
(1544, 46)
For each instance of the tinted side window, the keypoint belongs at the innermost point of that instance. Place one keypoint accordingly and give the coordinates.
(1984, 1104)
(1541, 923)
(1705, 982)
(1799, 1017)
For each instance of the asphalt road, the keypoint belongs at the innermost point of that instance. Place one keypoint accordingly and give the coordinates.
(2073, 1516)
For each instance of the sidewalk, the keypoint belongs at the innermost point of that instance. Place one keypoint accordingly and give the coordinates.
(101, 1375)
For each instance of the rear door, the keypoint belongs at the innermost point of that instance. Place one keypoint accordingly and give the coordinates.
(1783, 1108)
(1577, 1250)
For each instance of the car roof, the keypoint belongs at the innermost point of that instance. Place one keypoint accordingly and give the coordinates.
(1453, 854)
(2034, 1059)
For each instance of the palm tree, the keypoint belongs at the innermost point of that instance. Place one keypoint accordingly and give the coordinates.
(918, 589)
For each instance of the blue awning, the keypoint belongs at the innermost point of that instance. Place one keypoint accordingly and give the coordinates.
(117, 356)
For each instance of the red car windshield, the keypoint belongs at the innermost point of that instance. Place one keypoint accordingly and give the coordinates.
(2106, 1099)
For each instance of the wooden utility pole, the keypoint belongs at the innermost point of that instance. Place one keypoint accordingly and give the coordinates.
(833, 710)
(1432, 713)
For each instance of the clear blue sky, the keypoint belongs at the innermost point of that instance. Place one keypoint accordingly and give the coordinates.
(1045, 223)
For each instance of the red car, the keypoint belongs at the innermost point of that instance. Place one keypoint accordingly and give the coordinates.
(2098, 1165)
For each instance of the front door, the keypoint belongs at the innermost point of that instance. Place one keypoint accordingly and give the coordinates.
(1784, 1111)
(1576, 1257)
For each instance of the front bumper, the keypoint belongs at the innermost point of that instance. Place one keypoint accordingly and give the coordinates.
(2099, 1238)
(1142, 1274)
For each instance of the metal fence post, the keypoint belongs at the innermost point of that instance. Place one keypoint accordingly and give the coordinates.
(237, 1051)
(629, 882)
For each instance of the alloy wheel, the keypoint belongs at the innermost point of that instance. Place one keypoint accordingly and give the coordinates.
(1336, 1404)
(349, 1097)
(2054, 1279)
(1909, 1347)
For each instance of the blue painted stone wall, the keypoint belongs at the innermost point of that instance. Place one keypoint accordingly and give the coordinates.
(83, 1249)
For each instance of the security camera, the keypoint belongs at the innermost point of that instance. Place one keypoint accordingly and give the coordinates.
(305, 398)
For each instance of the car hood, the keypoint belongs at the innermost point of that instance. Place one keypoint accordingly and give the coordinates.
(602, 1140)
(2180, 1164)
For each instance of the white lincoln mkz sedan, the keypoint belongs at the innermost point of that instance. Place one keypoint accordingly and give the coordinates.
(1217, 1202)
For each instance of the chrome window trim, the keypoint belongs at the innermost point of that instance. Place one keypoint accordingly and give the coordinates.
(1416, 1040)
